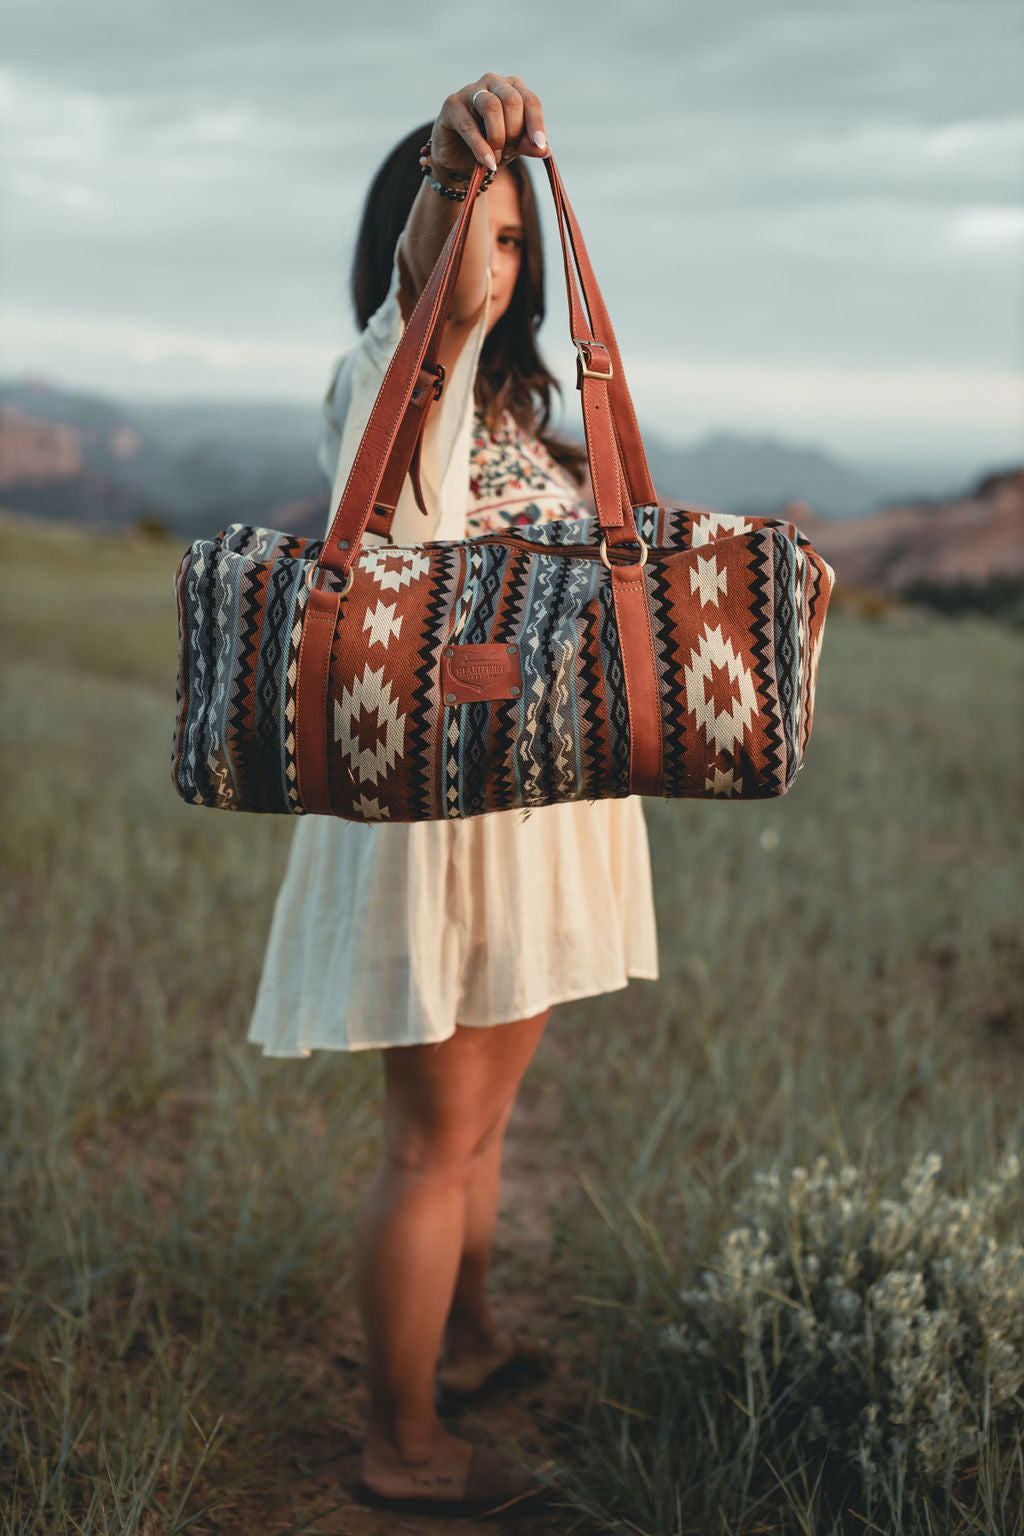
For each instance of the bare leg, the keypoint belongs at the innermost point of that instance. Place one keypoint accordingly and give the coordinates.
(470, 1309)
(474, 1345)
(406, 1247)
(444, 1107)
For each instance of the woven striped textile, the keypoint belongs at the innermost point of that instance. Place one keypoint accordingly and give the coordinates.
(737, 609)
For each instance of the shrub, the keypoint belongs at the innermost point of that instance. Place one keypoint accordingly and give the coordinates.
(881, 1337)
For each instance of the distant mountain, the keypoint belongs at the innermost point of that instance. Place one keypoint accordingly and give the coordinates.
(964, 553)
(199, 465)
(68, 455)
(757, 475)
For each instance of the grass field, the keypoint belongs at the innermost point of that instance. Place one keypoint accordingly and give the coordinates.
(841, 976)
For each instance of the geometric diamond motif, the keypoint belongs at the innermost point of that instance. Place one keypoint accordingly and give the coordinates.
(709, 579)
(394, 568)
(368, 725)
(719, 691)
(382, 624)
(722, 782)
(372, 810)
(708, 525)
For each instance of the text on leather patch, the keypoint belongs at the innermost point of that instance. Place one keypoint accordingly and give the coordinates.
(470, 673)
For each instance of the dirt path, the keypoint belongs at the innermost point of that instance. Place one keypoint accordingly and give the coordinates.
(533, 1293)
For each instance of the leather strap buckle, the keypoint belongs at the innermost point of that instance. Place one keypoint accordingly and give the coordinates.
(585, 348)
(438, 384)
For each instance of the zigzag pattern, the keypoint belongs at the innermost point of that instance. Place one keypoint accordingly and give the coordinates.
(594, 754)
(563, 778)
(225, 624)
(534, 735)
(617, 708)
(456, 719)
(288, 765)
(267, 696)
(515, 568)
(191, 670)
(251, 604)
(473, 747)
(818, 588)
(737, 609)
(786, 649)
(762, 592)
(423, 748)
(204, 587)
(671, 663)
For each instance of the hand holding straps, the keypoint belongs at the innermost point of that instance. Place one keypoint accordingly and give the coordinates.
(389, 442)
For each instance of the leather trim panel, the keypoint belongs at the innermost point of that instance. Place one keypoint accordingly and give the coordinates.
(633, 617)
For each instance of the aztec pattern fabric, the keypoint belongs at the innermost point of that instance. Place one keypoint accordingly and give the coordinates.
(737, 610)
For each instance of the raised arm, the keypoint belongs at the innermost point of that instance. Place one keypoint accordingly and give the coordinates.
(507, 121)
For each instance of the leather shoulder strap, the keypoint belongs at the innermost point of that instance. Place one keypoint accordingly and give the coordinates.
(618, 463)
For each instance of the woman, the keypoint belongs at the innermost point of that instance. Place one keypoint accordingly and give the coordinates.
(448, 942)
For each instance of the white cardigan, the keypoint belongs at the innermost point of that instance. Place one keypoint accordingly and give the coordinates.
(392, 933)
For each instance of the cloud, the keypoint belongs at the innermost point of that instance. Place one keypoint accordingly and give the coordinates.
(797, 187)
(998, 228)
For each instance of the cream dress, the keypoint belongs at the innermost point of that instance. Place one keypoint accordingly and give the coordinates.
(391, 933)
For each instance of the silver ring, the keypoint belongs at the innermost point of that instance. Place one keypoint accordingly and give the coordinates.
(604, 553)
(310, 575)
(480, 92)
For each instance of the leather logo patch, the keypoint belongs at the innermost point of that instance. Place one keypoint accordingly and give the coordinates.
(470, 673)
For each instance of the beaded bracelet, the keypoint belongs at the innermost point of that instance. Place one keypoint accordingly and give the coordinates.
(451, 192)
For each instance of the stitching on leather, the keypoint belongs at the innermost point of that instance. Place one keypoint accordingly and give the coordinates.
(572, 245)
(425, 342)
(325, 694)
(648, 633)
(623, 588)
(576, 237)
(299, 676)
(321, 687)
(590, 421)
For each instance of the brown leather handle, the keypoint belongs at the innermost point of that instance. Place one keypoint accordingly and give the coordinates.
(612, 446)
(582, 328)
(369, 467)
(627, 429)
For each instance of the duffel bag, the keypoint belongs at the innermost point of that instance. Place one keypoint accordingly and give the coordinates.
(653, 648)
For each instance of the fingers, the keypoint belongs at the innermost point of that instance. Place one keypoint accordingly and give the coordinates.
(511, 114)
(456, 115)
(490, 106)
(533, 114)
(506, 120)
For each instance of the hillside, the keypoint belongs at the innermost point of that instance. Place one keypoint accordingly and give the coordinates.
(65, 454)
(74, 457)
(942, 552)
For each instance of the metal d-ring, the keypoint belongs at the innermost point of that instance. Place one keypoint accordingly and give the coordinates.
(311, 570)
(604, 553)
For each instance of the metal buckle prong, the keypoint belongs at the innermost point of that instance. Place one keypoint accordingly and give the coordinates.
(583, 345)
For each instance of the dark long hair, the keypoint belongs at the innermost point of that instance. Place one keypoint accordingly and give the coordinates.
(511, 374)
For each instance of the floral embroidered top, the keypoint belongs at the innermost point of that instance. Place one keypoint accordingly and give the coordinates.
(513, 480)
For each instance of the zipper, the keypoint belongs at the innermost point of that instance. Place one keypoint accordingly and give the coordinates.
(574, 551)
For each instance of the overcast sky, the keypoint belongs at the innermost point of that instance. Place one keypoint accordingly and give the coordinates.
(807, 216)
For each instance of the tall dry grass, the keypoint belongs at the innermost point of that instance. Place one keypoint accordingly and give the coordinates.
(841, 975)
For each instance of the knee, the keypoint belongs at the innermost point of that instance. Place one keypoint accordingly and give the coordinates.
(448, 1152)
